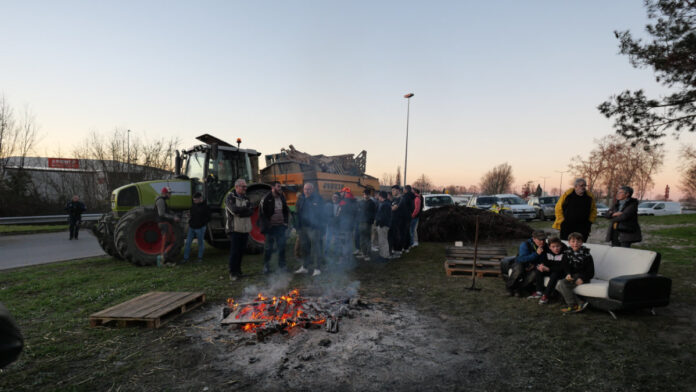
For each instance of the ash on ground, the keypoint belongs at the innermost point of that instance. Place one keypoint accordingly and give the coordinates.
(380, 346)
(456, 223)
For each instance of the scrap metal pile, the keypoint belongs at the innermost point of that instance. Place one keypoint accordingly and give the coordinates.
(456, 223)
(338, 164)
(265, 315)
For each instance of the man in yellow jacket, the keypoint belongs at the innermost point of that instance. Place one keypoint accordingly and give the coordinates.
(576, 211)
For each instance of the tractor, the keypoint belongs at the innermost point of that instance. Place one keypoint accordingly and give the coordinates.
(130, 229)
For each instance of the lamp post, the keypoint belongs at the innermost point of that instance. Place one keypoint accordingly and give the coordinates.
(128, 157)
(560, 185)
(408, 111)
(544, 189)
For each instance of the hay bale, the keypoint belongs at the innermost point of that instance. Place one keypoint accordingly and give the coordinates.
(457, 223)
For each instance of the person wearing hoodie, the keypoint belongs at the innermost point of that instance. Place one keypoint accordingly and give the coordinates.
(198, 219)
(345, 217)
(575, 211)
(578, 268)
(623, 216)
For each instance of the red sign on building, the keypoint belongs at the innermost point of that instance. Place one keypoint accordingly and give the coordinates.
(62, 163)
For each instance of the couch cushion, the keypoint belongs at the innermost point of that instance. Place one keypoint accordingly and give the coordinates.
(599, 254)
(597, 288)
(624, 261)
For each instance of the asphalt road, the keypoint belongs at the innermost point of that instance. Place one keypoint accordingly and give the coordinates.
(33, 249)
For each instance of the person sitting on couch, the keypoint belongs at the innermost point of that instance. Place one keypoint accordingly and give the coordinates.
(551, 266)
(578, 268)
(523, 268)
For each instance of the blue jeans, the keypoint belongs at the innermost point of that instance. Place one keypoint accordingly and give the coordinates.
(275, 236)
(197, 233)
(414, 230)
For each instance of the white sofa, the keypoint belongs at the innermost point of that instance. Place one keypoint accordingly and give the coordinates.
(625, 278)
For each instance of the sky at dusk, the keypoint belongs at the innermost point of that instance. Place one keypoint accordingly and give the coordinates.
(494, 81)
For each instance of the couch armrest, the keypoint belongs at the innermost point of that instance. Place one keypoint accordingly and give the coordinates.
(640, 288)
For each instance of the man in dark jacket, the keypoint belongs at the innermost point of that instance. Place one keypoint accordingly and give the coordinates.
(400, 221)
(575, 211)
(75, 208)
(578, 268)
(273, 222)
(346, 218)
(382, 223)
(165, 219)
(410, 200)
(199, 216)
(309, 224)
(367, 217)
(524, 271)
(623, 216)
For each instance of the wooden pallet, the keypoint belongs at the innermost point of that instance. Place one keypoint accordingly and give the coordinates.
(152, 310)
(460, 260)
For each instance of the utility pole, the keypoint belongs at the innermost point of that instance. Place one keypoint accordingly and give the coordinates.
(560, 186)
(408, 111)
(128, 157)
(544, 189)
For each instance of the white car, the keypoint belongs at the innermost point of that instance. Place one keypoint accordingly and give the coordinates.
(518, 207)
(436, 200)
(659, 208)
(602, 209)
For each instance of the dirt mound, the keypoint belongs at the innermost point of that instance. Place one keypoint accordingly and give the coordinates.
(456, 223)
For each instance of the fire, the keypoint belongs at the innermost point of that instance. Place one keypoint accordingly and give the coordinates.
(284, 312)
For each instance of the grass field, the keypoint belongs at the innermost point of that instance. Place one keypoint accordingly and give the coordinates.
(522, 344)
(30, 229)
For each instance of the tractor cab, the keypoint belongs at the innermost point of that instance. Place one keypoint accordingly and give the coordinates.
(213, 167)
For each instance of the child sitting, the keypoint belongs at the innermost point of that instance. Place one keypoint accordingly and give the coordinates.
(551, 266)
(578, 269)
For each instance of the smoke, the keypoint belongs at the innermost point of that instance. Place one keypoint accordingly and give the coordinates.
(276, 284)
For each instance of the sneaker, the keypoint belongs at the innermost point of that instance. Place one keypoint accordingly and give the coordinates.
(233, 277)
(367, 258)
(570, 309)
(414, 244)
(317, 272)
(266, 270)
(544, 300)
(375, 249)
(357, 252)
(302, 270)
(397, 253)
(582, 307)
(536, 295)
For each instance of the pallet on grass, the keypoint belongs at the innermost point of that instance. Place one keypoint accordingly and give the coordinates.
(460, 260)
(151, 310)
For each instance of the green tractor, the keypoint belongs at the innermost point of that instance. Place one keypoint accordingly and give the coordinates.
(130, 230)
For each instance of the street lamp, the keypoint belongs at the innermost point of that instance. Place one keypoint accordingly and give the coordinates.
(544, 189)
(560, 186)
(408, 110)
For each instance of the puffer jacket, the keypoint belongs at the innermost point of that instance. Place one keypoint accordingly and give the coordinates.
(560, 208)
(626, 223)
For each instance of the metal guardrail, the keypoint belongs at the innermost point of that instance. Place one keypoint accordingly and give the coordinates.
(27, 220)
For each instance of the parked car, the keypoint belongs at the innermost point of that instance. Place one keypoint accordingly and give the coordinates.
(483, 202)
(545, 206)
(517, 207)
(602, 209)
(659, 208)
(461, 200)
(436, 200)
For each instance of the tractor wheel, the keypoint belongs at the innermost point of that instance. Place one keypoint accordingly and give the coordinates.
(139, 240)
(104, 231)
(256, 239)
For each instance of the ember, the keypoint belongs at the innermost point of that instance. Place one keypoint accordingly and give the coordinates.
(266, 315)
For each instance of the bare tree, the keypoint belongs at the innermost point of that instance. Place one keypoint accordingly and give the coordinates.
(688, 169)
(27, 135)
(8, 135)
(423, 183)
(615, 162)
(397, 179)
(498, 180)
(387, 179)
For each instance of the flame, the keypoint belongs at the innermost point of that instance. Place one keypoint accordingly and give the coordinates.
(286, 311)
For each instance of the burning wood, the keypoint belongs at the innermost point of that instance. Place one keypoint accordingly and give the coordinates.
(267, 315)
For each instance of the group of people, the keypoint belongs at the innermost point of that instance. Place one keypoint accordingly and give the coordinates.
(567, 267)
(332, 232)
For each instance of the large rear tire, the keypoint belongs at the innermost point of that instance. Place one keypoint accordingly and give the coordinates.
(104, 231)
(138, 238)
(256, 239)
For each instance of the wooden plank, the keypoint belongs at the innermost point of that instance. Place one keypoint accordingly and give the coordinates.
(171, 301)
(467, 274)
(191, 301)
(161, 308)
(125, 305)
(471, 262)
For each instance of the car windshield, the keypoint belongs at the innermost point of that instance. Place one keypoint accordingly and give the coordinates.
(511, 200)
(485, 200)
(437, 201)
(646, 205)
(548, 200)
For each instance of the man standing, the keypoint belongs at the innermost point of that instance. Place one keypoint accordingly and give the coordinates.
(623, 219)
(309, 211)
(367, 217)
(417, 209)
(238, 208)
(346, 225)
(75, 208)
(382, 223)
(199, 216)
(165, 220)
(576, 211)
(273, 222)
(410, 200)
